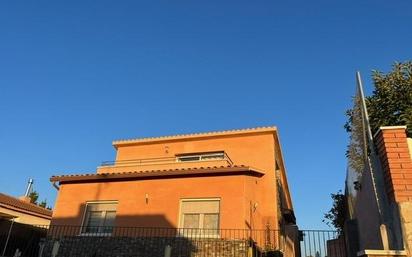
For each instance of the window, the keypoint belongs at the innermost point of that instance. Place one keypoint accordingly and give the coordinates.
(99, 217)
(201, 157)
(200, 216)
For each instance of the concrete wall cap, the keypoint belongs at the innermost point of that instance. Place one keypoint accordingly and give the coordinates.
(393, 127)
(381, 252)
(271, 129)
(388, 128)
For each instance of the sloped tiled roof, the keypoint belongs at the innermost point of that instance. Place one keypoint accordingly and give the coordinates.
(194, 135)
(157, 173)
(7, 201)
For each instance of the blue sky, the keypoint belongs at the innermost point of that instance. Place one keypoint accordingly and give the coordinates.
(75, 75)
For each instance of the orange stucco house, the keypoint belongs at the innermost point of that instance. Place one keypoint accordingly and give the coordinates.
(217, 180)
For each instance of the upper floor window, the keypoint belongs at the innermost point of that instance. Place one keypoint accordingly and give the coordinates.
(99, 217)
(201, 157)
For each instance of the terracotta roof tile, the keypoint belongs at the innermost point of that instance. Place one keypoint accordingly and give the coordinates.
(9, 201)
(193, 135)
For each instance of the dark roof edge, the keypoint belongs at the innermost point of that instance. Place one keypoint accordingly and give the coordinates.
(158, 174)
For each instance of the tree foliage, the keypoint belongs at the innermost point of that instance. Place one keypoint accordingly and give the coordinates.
(34, 196)
(391, 101)
(356, 147)
(43, 203)
(335, 217)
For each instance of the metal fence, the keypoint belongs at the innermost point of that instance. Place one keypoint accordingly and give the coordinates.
(321, 243)
(74, 241)
(20, 238)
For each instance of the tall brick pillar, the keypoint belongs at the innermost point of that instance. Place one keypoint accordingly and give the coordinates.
(395, 156)
(396, 161)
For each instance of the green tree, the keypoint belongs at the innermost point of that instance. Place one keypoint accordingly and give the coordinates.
(43, 203)
(336, 215)
(34, 196)
(391, 101)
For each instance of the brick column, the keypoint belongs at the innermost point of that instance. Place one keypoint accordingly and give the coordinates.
(396, 162)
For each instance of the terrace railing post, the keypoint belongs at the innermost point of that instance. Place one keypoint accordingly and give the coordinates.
(168, 251)
(250, 251)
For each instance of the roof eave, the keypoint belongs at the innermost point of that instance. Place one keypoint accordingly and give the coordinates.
(157, 174)
(30, 212)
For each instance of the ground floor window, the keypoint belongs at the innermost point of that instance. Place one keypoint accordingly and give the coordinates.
(200, 216)
(99, 217)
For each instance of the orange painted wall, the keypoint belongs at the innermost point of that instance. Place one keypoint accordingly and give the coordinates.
(238, 193)
(162, 209)
(255, 150)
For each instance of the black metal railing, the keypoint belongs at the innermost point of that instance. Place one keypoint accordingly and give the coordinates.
(68, 241)
(20, 238)
(321, 243)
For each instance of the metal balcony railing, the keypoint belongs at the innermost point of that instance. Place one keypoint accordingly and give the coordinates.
(192, 158)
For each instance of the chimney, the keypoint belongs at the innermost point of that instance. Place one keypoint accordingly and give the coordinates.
(26, 197)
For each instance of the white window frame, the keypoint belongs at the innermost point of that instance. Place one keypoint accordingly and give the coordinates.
(81, 233)
(181, 220)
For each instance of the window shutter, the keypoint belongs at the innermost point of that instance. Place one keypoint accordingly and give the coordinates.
(101, 206)
(209, 206)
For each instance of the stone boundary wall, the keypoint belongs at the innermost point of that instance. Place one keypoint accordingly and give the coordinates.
(88, 246)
